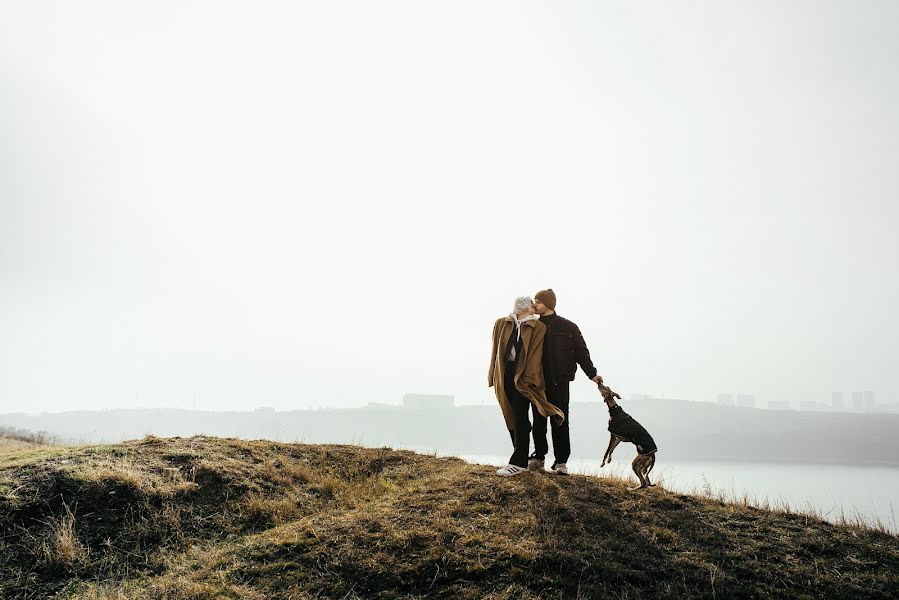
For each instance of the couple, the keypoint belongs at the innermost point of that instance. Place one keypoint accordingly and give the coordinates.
(535, 356)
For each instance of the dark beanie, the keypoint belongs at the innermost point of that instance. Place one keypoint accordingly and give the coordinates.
(547, 297)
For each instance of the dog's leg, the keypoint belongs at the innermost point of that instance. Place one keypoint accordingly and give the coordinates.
(613, 442)
(638, 466)
(652, 463)
(647, 467)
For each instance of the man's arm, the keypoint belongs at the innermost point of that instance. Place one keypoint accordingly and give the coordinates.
(582, 355)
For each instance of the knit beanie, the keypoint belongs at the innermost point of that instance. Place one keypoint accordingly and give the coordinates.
(547, 297)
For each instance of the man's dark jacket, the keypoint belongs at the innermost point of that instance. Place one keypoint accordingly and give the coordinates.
(563, 350)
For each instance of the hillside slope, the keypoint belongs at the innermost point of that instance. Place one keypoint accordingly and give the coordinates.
(223, 518)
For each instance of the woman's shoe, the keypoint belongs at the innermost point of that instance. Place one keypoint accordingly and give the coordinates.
(510, 470)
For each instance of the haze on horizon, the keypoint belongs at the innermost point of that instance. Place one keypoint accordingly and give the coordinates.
(328, 204)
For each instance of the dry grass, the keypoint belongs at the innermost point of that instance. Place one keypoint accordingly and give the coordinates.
(8, 443)
(123, 472)
(61, 546)
(855, 519)
(216, 518)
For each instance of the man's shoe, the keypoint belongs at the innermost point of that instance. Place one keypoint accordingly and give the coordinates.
(560, 469)
(510, 470)
(535, 463)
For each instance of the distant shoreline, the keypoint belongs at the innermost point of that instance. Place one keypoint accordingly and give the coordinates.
(685, 431)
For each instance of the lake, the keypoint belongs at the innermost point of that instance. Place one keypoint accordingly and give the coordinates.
(834, 492)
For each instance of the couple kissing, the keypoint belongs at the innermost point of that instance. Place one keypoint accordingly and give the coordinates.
(535, 356)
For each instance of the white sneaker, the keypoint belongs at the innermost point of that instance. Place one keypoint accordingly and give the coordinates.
(510, 470)
(535, 464)
(560, 469)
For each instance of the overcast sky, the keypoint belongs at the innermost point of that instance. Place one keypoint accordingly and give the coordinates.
(239, 204)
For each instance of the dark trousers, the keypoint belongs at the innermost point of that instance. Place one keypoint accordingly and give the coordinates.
(521, 435)
(556, 393)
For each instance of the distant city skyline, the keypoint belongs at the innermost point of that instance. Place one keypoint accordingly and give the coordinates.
(684, 429)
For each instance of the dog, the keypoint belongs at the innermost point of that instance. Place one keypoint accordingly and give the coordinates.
(624, 428)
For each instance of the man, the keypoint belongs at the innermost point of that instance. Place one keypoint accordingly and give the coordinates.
(563, 349)
(516, 373)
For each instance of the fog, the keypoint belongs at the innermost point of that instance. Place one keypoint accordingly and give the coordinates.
(221, 206)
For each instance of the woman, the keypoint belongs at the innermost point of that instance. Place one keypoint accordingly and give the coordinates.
(516, 373)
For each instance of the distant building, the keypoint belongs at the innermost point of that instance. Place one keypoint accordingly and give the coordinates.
(858, 401)
(869, 401)
(381, 405)
(836, 400)
(746, 400)
(264, 410)
(725, 399)
(778, 405)
(427, 401)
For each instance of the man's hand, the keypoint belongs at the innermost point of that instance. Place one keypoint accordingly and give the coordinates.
(597, 379)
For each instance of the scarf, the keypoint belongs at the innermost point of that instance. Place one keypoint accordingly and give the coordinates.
(518, 322)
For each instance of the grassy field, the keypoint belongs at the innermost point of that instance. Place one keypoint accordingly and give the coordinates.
(223, 518)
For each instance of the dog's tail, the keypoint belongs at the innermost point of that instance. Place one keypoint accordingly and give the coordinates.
(652, 463)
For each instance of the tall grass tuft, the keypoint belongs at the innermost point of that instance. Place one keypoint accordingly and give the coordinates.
(61, 546)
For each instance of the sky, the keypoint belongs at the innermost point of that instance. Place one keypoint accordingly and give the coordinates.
(225, 205)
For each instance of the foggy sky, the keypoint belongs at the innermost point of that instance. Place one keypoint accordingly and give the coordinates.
(239, 204)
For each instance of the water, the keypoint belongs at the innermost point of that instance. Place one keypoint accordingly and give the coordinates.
(834, 492)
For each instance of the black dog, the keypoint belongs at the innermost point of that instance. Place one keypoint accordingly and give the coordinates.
(624, 428)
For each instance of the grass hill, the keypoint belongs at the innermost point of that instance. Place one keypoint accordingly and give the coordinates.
(224, 518)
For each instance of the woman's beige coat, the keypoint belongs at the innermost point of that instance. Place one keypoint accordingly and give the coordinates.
(528, 371)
